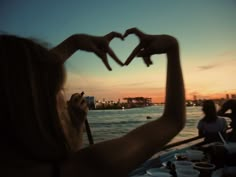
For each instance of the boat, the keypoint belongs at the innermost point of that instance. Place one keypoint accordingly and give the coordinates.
(214, 154)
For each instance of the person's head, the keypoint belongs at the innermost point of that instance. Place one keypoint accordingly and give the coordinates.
(229, 105)
(31, 77)
(209, 109)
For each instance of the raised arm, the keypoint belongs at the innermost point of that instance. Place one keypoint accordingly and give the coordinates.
(120, 156)
(164, 44)
(96, 44)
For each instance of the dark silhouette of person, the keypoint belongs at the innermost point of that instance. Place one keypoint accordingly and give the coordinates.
(38, 137)
(211, 124)
(228, 109)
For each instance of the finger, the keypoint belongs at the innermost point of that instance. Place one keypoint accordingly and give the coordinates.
(146, 52)
(113, 55)
(76, 97)
(103, 56)
(135, 31)
(130, 31)
(73, 97)
(147, 61)
(112, 35)
(84, 106)
(76, 100)
(133, 54)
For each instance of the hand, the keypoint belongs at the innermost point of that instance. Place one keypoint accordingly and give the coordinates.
(78, 109)
(100, 46)
(149, 45)
(97, 44)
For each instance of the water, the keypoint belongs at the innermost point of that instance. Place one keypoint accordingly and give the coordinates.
(109, 124)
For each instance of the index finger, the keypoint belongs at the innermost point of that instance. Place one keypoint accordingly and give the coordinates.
(104, 59)
(113, 55)
(133, 54)
(135, 31)
(112, 35)
(75, 99)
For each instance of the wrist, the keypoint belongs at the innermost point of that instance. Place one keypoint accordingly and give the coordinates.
(79, 41)
(173, 49)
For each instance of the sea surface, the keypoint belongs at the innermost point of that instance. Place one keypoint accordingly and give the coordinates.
(109, 124)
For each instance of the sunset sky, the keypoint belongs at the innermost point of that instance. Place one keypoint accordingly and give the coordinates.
(206, 30)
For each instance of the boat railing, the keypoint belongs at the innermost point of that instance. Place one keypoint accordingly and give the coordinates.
(183, 142)
(197, 140)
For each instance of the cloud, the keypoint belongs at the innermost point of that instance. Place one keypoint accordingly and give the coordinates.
(207, 67)
(228, 53)
(135, 84)
(223, 59)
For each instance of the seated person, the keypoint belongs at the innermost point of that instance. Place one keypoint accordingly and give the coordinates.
(230, 105)
(211, 124)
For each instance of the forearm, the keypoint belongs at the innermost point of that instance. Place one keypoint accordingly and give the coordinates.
(151, 137)
(65, 49)
(70, 45)
(78, 138)
(175, 92)
(73, 134)
(76, 130)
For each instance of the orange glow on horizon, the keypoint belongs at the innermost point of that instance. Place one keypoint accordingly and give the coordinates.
(157, 97)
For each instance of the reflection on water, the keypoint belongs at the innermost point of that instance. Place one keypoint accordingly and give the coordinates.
(108, 124)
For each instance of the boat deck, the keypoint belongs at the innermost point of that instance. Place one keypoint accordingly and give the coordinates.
(214, 154)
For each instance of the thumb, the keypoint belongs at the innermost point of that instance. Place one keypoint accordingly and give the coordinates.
(144, 53)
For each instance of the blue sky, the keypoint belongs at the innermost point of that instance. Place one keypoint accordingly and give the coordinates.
(205, 29)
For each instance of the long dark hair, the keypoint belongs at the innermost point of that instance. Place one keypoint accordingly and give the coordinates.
(209, 109)
(30, 82)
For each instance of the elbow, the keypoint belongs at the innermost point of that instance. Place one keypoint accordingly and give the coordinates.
(177, 124)
(180, 121)
(180, 124)
(173, 42)
(177, 119)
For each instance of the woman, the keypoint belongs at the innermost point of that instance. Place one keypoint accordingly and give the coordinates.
(211, 124)
(37, 126)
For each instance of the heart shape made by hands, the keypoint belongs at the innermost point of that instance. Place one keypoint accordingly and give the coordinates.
(139, 50)
(122, 48)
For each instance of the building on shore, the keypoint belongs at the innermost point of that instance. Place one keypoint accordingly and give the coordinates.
(131, 102)
(91, 102)
(138, 102)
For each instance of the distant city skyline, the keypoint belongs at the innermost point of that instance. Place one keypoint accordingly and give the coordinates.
(205, 29)
(195, 97)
